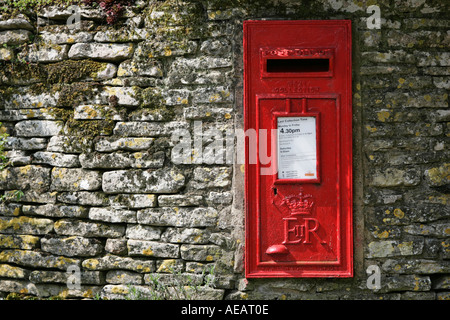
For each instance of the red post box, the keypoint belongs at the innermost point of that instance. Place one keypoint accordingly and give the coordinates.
(298, 171)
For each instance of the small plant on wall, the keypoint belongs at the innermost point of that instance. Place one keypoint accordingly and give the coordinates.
(113, 8)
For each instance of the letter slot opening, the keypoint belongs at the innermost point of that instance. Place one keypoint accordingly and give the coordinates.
(297, 65)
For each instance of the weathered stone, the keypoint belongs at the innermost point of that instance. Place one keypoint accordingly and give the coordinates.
(406, 283)
(6, 54)
(75, 179)
(56, 211)
(10, 209)
(72, 246)
(149, 68)
(46, 53)
(25, 143)
(393, 177)
(200, 252)
(25, 225)
(220, 197)
(67, 144)
(211, 177)
(38, 128)
(442, 282)
(18, 158)
(178, 217)
(86, 277)
(126, 96)
(158, 49)
(152, 249)
(142, 181)
(111, 262)
(140, 232)
(64, 37)
(116, 246)
(112, 215)
(14, 37)
(439, 176)
(18, 241)
(179, 200)
(7, 271)
(72, 227)
(147, 129)
(109, 144)
(101, 51)
(169, 266)
(435, 229)
(19, 21)
(24, 98)
(212, 95)
(135, 201)
(36, 259)
(56, 159)
(96, 112)
(83, 198)
(415, 266)
(116, 160)
(18, 286)
(121, 35)
(391, 248)
(170, 279)
(186, 235)
(124, 277)
(206, 112)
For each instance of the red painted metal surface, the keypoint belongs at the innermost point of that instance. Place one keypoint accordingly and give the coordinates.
(297, 98)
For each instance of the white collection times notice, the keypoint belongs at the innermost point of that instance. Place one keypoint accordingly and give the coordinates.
(296, 148)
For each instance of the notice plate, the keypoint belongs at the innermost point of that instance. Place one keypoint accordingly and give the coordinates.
(296, 148)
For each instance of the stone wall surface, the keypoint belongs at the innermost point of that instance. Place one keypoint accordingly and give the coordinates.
(91, 111)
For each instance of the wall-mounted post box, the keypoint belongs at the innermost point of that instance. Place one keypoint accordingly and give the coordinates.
(297, 101)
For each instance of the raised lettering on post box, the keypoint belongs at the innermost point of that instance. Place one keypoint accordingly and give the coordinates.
(297, 98)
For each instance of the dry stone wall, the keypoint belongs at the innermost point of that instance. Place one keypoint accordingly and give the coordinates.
(91, 114)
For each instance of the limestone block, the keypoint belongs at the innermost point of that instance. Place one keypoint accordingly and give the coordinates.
(19, 21)
(109, 144)
(105, 160)
(46, 53)
(142, 232)
(73, 227)
(72, 246)
(12, 241)
(101, 51)
(179, 200)
(75, 179)
(391, 248)
(86, 277)
(113, 215)
(124, 277)
(27, 177)
(56, 159)
(56, 211)
(133, 201)
(152, 249)
(200, 252)
(110, 262)
(14, 37)
(25, 225)
(36, 259)
(148, 129)
(143, 181)
(83, 198)
(38, 128)
(179, 217)
(186, 235)
(208, 177)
